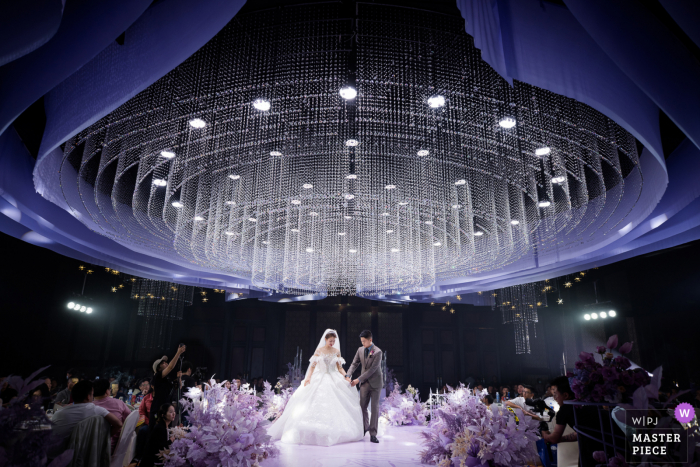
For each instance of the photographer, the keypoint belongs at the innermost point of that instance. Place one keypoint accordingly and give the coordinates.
(163, 386)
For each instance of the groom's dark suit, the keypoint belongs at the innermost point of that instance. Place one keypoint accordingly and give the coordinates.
(371, 383)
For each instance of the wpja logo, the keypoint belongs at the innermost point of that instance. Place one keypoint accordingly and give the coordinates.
(650, 439)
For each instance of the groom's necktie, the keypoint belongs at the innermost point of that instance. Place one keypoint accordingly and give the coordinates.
(366, 353)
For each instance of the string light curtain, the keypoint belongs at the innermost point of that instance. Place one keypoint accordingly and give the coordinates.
(160, 303)
(246, 159)
(519, 305)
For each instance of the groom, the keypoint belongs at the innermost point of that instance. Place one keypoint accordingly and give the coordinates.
(371, 380)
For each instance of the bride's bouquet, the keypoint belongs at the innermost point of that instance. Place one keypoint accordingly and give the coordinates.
(226, 428)
(403, 408)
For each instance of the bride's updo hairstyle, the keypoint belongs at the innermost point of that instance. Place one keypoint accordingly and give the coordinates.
(331, 334)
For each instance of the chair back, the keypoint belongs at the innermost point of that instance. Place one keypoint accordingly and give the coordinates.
(90, 442)
(125, 439)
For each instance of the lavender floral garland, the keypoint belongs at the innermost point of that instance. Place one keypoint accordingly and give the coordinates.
(274, 403)
(226, 429)
(403, 408)
(466, 432)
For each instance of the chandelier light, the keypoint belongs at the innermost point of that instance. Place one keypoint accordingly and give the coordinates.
(160, 303)
(249, 172)
(519, 305)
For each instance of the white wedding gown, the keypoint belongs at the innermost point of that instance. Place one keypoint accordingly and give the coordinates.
(324, 413)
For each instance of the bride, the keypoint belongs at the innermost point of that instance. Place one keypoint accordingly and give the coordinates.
(325, 409)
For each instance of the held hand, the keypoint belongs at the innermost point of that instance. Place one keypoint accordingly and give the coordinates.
(179, 374)
(355, 382)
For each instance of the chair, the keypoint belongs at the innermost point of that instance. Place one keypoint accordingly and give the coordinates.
(90, 442)
(126, 440)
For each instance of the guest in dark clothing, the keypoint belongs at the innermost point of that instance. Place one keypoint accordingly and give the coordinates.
(158, 439)
(40, 395)
(163, 386)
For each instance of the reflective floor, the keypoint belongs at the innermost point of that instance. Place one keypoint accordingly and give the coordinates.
(398, 446)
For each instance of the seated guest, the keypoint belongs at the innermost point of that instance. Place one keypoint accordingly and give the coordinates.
(68, 418)
(158, 440)
(40, 395)
(142, 430)
(103, 398)
(144, 389)
(563, 434)
(54, 387)
(488, 400)
(520, 401)
(117, 393)
(504, 393)
(63, 397)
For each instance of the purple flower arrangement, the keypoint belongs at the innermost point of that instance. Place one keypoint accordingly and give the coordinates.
(612, 380)
(403, 408)
(273, 403)
(226, 429)
(466, 432)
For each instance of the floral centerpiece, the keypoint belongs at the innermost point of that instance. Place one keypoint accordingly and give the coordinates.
(273, 403)
(466, 432)
(226, 429)
(612, 381)
(403, 408)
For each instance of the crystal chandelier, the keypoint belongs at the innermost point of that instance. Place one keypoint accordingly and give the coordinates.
(160, 303)
(313, 154)
(519, 305)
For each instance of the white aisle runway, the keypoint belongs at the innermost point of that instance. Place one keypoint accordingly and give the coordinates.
(398, 447)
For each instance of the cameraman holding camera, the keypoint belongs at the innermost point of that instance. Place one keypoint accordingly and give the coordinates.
(162, 385)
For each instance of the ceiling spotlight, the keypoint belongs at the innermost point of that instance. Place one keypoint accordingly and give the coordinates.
(544, 203)
(587, 317)
(385, 214)
(88, 310)
(313, 213)
(437, 244)
(394, 250)
(436, 101)
(603, 314)
(265, 242)
(594, 315)
(229, 233)
(456, 206)
(423, 152)
(478, 233)
(341, 233)
(167, 154)
(160, 182)
(231, 203)
(349, 196)
(389, 231)
(403, 203)
(275, 153)
(348, 93)
(296, 201)
(390, 187)
(352, 251)
(559, 179)
(234, 176)
(351, 177)
(261, 104)
(352, 143)
(198, 123)
(429, 222)
(461, 182)
(514, 222)
(252, 219)
(83, 308)
(71, 305)
(612, 313)
(507, 122)
(543, 151)
(307, 186)
(309, 250)
(198, 218)
(177, 204)
(347, 217)
(295, 230)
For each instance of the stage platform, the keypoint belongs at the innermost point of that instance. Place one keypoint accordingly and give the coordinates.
(398, 447)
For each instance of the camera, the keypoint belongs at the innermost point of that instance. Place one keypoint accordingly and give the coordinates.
(541, 407)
